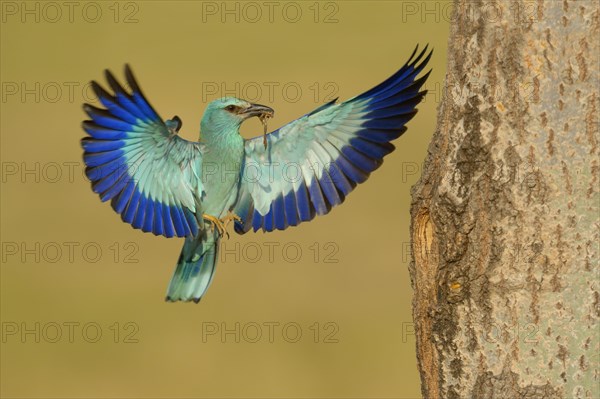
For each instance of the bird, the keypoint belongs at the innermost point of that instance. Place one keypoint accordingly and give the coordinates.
(163, 184)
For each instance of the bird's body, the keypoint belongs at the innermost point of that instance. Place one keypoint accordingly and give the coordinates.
(220, 168)
(163, 184)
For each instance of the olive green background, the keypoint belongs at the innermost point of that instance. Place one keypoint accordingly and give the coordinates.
(178, 51)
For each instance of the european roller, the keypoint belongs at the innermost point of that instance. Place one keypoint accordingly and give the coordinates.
(165, 185)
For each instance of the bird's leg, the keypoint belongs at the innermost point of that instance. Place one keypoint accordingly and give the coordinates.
(215, 222)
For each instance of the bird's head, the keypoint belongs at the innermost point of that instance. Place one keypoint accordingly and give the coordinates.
(227, 114)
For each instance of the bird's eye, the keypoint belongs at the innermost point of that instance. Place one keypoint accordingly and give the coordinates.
(231, 108)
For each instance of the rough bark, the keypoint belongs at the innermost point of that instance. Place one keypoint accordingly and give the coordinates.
(505, 218)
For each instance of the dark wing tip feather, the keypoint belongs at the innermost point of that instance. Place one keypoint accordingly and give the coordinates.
(412, 63)
(419, 82)
(100, 92)
(131, 81)
(91, 110)
(411, 68)
(114, 83)
(95, 112)
(413, 53)
(424, 62)
(139, 96)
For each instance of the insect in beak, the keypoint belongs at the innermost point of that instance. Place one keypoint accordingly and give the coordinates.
(264, 117)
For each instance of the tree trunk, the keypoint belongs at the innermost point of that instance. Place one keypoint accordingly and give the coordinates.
(505, 218)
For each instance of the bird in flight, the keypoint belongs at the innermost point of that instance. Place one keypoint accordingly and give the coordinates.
(166, 185)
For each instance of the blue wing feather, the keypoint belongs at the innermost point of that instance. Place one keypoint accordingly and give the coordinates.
(149, 216)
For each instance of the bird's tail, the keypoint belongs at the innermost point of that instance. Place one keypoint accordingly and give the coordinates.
(195, 268)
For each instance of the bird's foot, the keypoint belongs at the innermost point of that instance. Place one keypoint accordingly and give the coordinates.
(222, 224)
(230, 217)
(215, 223)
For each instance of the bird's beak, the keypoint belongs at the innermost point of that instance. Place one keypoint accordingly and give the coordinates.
(257, 110)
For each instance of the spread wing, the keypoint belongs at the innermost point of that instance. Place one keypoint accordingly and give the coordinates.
(311, 164)
(137, 161)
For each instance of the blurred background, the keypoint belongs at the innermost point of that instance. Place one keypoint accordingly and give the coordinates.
(319, 310)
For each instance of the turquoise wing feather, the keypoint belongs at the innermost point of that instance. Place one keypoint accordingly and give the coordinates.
(311, 164)
(136, 160)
